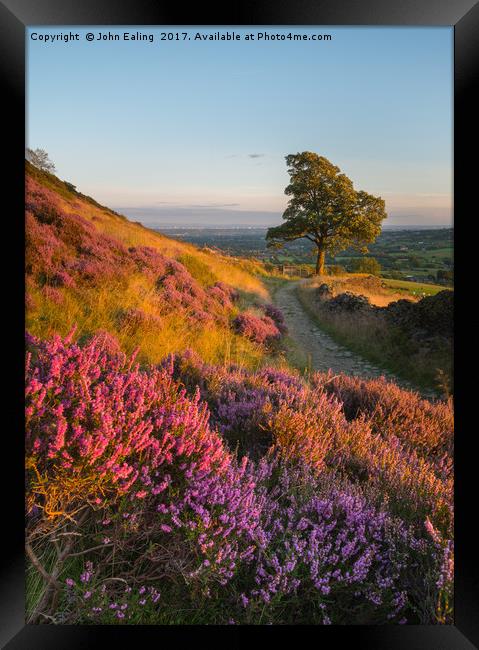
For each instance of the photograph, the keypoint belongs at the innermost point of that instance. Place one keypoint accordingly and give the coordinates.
(239, 396)
(239, 285)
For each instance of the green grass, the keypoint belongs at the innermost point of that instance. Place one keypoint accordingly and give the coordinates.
(415, 288)
(440, 253)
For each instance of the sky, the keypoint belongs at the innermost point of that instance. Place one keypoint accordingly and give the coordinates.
(195, 132)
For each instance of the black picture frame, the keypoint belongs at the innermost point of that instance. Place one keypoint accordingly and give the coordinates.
(15, 16)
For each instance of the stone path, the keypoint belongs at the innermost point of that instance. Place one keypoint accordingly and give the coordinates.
(321, 351)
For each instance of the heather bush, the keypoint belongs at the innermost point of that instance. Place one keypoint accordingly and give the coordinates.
(321, 424)
(148, 260)
(423, 425)
(277, 317)
(180, 291)
(408, 482)
(330, 556)
(241, 403)
(131, 489)
(260, 329)
(91, 413)
(104, 435)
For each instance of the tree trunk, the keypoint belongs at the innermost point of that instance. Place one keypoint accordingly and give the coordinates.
(320, 261)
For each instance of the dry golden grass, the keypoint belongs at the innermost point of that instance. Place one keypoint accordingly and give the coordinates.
(373, 288)
(227, 269)
(96, 308)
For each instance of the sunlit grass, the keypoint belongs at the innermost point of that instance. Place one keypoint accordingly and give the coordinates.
(415, 288)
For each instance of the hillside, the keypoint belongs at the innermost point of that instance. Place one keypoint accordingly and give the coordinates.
(91, 268)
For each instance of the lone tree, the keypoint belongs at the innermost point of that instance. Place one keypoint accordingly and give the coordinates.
(326, 209)
(39, 158)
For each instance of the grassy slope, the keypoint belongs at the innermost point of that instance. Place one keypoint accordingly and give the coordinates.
(93, 307)
(135, 234)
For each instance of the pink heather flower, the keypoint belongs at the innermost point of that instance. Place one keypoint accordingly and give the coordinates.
(106, 540)
(87, 595)
(142, 601)
(141, 494)
(70, 582)
(165, 528)
(120, 615)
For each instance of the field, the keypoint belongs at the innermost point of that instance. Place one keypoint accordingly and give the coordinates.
(422, 256)
(414, 288)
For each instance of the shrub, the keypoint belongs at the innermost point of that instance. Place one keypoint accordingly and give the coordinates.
(260, 329)
(329, 520)
(277, 317)
(366, 265)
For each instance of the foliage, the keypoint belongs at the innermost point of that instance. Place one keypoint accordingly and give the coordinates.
(146, 508)
(260, 329)
(367, 265)
(326, 209)
(335, 269)
(39, 158)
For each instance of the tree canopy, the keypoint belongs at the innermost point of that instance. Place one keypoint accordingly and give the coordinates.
(326, 209)
(367, 265)
(39, 158)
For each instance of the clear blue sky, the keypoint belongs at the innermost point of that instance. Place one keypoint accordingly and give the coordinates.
(196, 132)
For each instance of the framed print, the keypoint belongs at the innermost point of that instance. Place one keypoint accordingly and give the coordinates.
(234, 290)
